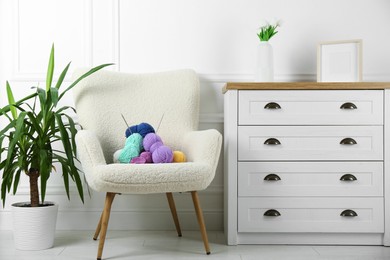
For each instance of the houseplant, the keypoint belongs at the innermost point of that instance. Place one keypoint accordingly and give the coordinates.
(35, 124)
(265, 67)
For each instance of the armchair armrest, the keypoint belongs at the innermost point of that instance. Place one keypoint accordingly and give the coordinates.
(203, 146)
(89, 150)
(90, 154)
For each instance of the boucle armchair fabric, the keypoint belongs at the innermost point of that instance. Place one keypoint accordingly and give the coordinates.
(101, 99)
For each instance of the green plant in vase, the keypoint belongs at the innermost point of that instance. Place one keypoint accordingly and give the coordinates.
(35, 124)
(264, 71)
(267, 31)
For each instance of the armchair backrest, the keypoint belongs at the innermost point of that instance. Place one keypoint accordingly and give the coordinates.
(101, 98)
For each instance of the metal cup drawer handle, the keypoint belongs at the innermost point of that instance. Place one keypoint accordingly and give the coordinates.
(348, 106)
(272, 213)
(348, 177)
(272, 106)
(272, 177)
(272, 141)
(348, 213)
(348, 141)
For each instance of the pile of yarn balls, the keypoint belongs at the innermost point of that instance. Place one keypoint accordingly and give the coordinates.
(143, 145)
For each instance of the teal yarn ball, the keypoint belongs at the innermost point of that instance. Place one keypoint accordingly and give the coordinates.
(127, 154)
(132, 149)
(136, 140)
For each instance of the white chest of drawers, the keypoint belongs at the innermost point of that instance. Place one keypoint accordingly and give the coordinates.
(307, 163)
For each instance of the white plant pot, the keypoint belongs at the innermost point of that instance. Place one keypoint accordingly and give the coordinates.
(265, 63)
(34, 228)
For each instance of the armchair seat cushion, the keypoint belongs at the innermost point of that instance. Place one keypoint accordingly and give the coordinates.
(151, 178)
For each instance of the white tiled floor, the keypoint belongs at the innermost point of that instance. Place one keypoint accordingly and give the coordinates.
(121, 245)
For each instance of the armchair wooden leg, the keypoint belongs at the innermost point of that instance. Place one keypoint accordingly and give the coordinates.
(172, 206)
(99, 226)
(104, 222)
(199, 215)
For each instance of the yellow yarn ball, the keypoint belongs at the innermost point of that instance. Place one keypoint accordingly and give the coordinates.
(179, 156)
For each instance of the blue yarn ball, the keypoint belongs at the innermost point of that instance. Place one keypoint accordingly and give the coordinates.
(143, 129)
(128, 132)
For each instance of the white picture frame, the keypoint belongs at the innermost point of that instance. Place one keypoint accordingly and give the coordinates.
(339, 61)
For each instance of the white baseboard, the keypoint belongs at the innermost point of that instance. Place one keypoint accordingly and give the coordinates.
(130, 220)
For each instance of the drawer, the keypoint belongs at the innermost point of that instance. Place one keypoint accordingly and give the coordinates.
(311, 107)
(311, 215)
(271, 143)
(310, 179)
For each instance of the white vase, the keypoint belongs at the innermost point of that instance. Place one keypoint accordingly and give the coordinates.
(34, 227)
(265, 63)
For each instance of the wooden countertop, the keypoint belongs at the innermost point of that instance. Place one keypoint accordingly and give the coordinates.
(303, 85)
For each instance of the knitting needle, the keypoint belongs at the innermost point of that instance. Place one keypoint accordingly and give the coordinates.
(160, 122)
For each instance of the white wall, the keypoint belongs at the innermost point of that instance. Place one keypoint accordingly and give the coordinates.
(217, 38)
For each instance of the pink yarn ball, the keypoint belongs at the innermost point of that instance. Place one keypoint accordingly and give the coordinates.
(138, 160)
(155, 146)
(162, 154)
(147, 156)
(150, 139)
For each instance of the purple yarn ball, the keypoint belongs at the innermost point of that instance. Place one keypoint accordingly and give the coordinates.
(163, 154)
(138, 160)
(147, 156)
(149, 140)
(155, 146)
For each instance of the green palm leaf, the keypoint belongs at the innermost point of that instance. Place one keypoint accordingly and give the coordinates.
(44, 170)
(68, 151)
(16, 180)
(54, 96)
(73, 131)
(65, 175)
(62, 76)
(11, 101)
(50, 69)
(19, 127)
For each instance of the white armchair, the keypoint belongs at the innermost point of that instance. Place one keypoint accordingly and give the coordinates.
(101, 99)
